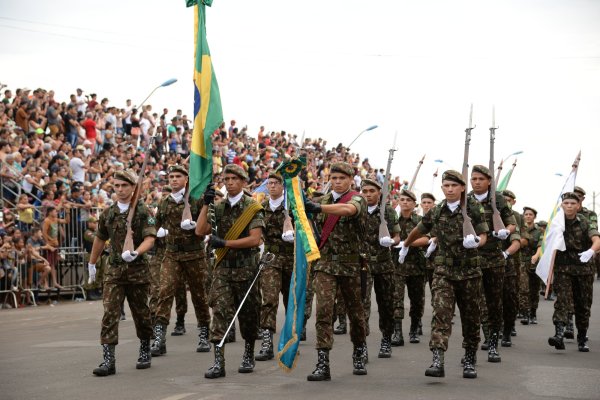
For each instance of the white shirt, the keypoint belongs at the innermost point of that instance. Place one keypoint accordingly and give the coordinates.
(274, 204)
(235, 199)
(123, 207)
(178, 196)
(371, 209)
(481, 197)
(454, 205)
(336, 195)
(77, 169)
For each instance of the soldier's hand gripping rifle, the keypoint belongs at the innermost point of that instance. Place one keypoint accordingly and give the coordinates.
(497, 220)
(467, 224)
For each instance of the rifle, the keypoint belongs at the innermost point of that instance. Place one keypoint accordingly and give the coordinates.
(499, 172)
(467, 224)
(383, 228)
(414, 178)
(496, 219)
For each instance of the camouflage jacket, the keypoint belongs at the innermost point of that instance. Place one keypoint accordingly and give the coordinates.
(578, 238)
(534, 233)
(379, 258)
(514, 260)
(414, 263)
(493, 244)
(273, 230)
(341, 253)
(453, 260)
(591, 216)
(180, 243)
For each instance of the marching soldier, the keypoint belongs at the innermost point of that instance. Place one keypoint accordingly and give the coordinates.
(457, 276)
(239, 227)
(535, 234)
(127, 274)
(427, 203)
(184, 261)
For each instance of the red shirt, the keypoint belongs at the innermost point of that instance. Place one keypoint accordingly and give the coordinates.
(90, 128)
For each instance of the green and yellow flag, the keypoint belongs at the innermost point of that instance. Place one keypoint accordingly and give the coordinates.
(208, 114)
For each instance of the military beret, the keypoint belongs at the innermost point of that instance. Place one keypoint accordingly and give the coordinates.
(571, 196)
(276, 176)
(427, 196)
(508, 193)
(408, 193)
(235, 170)
(542, 223)
(579, 190)
(482, 169)
(167, 188)
(370, 182)
(453, 176)
(533, 210)
(178, 168)
(343, 168)
(126, 175)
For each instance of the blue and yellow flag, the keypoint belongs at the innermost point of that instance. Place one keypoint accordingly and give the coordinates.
(305, 251)
(208, 114)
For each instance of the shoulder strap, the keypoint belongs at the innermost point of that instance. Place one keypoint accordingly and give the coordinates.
(238, 227)
(332, 220)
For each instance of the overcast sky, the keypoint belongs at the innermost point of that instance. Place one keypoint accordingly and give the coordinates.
(333, 68)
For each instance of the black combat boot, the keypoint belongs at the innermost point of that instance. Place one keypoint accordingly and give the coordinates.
(397, 337)
(526, 320)
(266, 349)
(470, 358)
(231, 335)
(247, 364)
(358, 360)
(493, 355)
(145, 358)
(107, 367)
(341, 329)
(506, 338)
(582, 340)
(557, 340)
(486, 338)
(217, 370)
(533, 317)
(437, 366)
(385, 351)
(179, 326)
(569, 330)
(413, 335)
(321, 372)
(203, 343)
(159, 346)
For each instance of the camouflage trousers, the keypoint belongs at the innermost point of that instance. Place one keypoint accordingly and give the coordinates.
(466, 294)
(325, 288)
(310, 294)
(523, 284)
(492, 314)
(509, 301)
(384, 296)
(225, 297)
(180, 291)
(274, 279)
(114, 293)
(579, 288)
(173, 276)
(535, 283)
(415, 286)
(429, 278)
(366, 300)
(399, 285)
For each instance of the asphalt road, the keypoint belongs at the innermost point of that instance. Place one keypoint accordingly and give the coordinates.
(49, 353)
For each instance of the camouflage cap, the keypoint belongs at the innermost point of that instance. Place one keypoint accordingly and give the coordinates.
(508, 193)
(235, 170)
(533, 210)
(408, 193)
(542, 223)
(167, 188)
(482, 169)
(342, 168)
(579, 190)
(177, 168)
(126, 175)
(276, 176)
(571, 196)
(427, 196)
(454, 176)
(370, 182)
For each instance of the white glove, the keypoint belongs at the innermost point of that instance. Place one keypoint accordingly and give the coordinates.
(386, 241)
(505, 254)
(129, 256)
(92, 273)
(188, 225)
(502, 234)
(403, 253)
(162, 232)
(586, 255)
(431, 248)
(470, 242)
(288, 236)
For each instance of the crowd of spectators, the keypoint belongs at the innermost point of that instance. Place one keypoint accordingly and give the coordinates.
(58, 157)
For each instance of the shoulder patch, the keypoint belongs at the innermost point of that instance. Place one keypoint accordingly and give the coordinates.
(357, 198)
(151, 220)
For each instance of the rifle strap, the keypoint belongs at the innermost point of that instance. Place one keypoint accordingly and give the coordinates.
(237, 228)
(332, 220)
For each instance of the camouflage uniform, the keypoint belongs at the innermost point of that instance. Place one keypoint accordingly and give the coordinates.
(522, 268)
(122, 279)
(535, 240)
(510, 285)
(457, 276)
(234, 274)
(155, 263)
(339, 266)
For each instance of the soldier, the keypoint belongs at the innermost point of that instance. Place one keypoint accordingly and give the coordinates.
(94, 290)
(127, 274)
(427, 203)
(457, 275)
(240, 223)
(184, 261)
(573, 273)
(493, 262)
(380, 262)
(342, 224)
(412, 264)
(527, 252)
(276, 278)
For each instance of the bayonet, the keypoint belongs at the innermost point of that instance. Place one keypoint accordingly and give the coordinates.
(467, 224)
(383, 229)
(496, 218)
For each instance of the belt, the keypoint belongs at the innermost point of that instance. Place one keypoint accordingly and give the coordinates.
(279, 249)
(454, 262)
(244, 262)
(346, 258)
(184, 247)
(380, 258)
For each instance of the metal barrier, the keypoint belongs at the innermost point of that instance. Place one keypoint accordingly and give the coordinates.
(15, 272)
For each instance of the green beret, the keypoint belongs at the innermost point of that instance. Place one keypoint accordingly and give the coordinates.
(235, 170)
(370, 182)
(533, 210)
(126, 175)
(579, 190)
(542, 223)
(571, 196)
(482, 169)
(167, 188)
(177, 168)
(276, 176)
(508, 193)
(427, 196)
(453, 176)
(408, 193)
(343, 168)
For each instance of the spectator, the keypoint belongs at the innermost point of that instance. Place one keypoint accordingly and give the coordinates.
(78, 167)
(50, 233)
